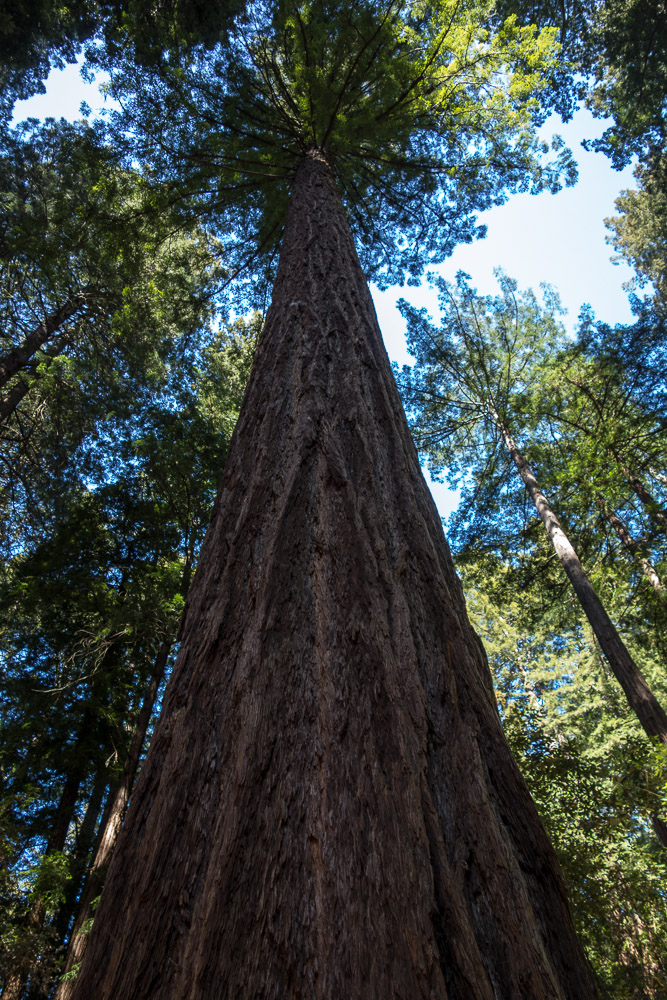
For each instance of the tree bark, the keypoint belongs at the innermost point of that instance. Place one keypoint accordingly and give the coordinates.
(10, 402)
(632, 546)
(81, 855)
(643, 494)
(641, 699)
(329, 808)
(15, 360)
(112, 827)
(659, 828)
(17, 977)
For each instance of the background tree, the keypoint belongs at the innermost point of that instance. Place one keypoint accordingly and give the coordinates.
(587, 410)
(79, 231)
(86, 245)
(639, 232)
(91, 608)
(606, 397)
(618, 50)
(586, 764)
(470, 391)
(44, 36)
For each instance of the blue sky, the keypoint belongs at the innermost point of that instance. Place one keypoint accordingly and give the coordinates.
(558, 238)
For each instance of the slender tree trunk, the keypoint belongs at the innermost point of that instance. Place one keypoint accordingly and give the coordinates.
(81, 855)
(109, 803)
(643, 494)
(10, 402)
(15, 360)
(329, 808)
(632, 546)
(112, 826)
(639, 695)
(18, 976)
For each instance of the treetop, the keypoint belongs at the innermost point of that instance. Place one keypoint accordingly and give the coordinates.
(426, 114)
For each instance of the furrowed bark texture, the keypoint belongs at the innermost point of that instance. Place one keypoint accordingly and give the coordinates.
(641, 699)
(329, 808)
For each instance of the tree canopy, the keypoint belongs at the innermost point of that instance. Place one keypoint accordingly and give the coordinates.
(426, 114)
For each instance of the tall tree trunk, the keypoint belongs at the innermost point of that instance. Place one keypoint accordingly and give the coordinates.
(329, 808)
(641, 699)
(18, 976)
(15, 360)
(112, 826)
(632, 546)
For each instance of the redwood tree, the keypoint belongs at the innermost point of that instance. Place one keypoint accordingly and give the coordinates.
(329, 807)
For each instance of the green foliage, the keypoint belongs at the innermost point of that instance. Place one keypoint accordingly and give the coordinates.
(604, 398)
(589, 413)
(40, 36)
(75, 223)
(35, 37)
(595, 778)
(94, 586)
(613, 56)
(639, 232)
(480, 365)
(42, 884)
(426, 114)
(629, 64)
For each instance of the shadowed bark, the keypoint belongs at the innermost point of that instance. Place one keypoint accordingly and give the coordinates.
(328, 808)
(81, 854)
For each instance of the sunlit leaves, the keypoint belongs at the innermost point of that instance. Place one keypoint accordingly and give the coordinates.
(426, 114)
(639, 232)
(595, 779)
